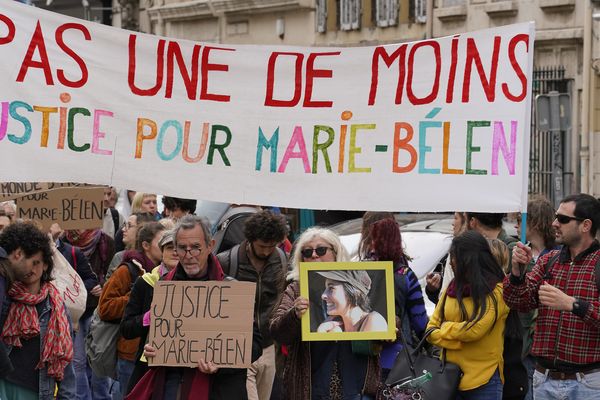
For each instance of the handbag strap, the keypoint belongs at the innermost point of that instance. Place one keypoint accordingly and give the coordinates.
(411, 363)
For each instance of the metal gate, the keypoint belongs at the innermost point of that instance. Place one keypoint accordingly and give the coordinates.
(545, 80)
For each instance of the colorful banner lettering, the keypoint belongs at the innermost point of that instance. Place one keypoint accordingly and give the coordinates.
(433, 125)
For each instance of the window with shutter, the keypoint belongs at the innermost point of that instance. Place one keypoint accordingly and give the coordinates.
(350, 13)
(421, 11)
(355, 7)
(387, 12)
(393, 12)
(321, 16)
(345, 19)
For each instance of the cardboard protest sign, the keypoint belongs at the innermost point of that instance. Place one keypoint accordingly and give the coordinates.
(71, 208)
(435, 125)
(327, 285)
(210, 320)
(14, 190)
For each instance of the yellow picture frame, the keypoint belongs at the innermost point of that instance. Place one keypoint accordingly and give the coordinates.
(371, 267)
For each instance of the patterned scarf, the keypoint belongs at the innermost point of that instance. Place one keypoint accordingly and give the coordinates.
(85, 240)
(23, 323)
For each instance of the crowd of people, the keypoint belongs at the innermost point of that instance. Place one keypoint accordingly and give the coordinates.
(521, 320)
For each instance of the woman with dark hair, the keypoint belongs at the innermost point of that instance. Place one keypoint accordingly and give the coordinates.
(470, 318)
(116, 292)
(411, 316)
(319, 370)
(35, 324)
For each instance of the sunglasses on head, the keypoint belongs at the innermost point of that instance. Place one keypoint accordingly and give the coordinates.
(321, 251)
(565, 219)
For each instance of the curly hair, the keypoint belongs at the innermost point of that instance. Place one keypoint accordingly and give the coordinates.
(31, 240)
(265, 226)
(540, 215)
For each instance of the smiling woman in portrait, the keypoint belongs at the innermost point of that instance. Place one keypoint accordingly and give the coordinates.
(346, 301)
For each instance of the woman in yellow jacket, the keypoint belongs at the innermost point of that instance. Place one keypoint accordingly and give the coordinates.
(471, 316)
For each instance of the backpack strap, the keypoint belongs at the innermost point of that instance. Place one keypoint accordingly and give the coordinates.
(115, 217)
(134, 271)
(554, 258)
(550, 264)
(234, 261)
(283, 260)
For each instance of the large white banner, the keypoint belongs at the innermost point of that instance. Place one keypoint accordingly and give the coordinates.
(434, 125)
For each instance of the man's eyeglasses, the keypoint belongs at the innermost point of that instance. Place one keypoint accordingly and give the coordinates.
(194, 251)
(321, 251)
(565, 219)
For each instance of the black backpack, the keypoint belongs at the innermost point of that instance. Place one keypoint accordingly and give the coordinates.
(230, 229)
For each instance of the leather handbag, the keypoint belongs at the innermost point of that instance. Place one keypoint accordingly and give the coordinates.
(414, 363)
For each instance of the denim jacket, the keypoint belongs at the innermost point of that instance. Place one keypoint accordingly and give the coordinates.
(67, 387)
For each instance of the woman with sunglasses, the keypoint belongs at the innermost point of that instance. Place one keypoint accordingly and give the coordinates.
(319, 370)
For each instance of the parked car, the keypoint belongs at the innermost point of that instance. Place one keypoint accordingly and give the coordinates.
(426, 241)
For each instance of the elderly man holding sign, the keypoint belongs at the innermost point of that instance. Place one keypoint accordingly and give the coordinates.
(201, 322)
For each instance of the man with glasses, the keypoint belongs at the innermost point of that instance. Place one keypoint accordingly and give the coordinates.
(258, 259)
(194, 245)
(563, 285)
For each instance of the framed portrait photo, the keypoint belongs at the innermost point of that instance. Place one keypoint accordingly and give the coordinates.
(348, 300)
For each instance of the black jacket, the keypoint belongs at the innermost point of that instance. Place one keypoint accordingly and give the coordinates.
(270, 284)
(6, 367)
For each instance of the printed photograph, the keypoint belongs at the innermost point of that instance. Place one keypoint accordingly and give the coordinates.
(348, 301)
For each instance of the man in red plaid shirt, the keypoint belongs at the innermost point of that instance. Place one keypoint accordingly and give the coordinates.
(562, 286)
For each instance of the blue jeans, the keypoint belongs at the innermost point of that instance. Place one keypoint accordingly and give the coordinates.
(86, 379)
(490, 391)
(586, 387)
(124, 371)
(529, 364)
